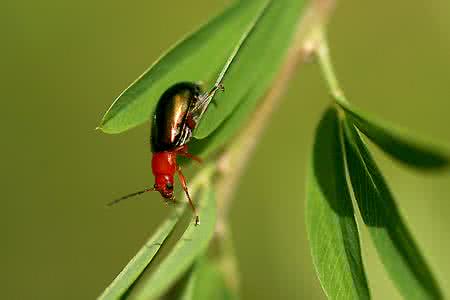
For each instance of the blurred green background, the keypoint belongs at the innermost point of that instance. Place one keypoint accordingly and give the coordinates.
(63, 63)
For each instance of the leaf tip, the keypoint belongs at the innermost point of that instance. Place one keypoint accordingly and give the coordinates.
(105, 129)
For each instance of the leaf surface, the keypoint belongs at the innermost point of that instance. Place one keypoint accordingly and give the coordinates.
(254, 67)
(248, 41)
(200, 57)
(331, 224)
(191, 245)
(140, 261)
(394, 243)
(400, 144)
(279, 27)
(206, 282)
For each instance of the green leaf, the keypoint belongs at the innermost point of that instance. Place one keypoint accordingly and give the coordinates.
(206, 282)
(140, 261)
(395, 245)
(331, 224)
(193, 243)
(255, 66)
(279, 24)
(248, 26)
(199, 57)
(398, 143)
(204, 147)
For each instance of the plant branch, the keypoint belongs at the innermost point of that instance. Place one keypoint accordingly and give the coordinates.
(326, 66)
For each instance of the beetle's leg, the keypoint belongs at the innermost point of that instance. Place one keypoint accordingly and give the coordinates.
(190, 122)
(217, 86)
(170, 201)
(207, 97)
(184, 185)
(190, 156)
(182, 150)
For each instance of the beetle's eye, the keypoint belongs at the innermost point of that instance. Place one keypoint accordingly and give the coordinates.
(155, 186)
(169, 186)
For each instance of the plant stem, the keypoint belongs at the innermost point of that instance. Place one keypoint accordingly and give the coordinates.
(326, 66)
(324, 60)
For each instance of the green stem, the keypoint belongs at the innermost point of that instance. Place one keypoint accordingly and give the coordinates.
(326, 66)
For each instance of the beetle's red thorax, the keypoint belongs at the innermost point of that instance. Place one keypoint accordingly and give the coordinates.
(164, 163)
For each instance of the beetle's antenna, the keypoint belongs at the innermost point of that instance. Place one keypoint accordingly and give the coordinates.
(130, 195)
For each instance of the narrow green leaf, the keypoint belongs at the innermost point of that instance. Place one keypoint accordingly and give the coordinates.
(188, 289)
(193, 243)
(199, 57)
(262, 32)
(206, 282)
(140, 261)
(398, 143)
(331, 224)
(279, 23)
(395, 245)
(255, 65)
(204, 147)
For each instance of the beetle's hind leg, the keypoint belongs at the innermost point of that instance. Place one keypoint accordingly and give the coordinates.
(184, 185)
(183, 151)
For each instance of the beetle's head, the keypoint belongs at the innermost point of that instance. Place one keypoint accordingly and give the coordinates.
(164, 185)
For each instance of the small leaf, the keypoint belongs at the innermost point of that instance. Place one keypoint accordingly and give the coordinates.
(279, 23)
(206, 282)
(248, 41)
(398, 143)
(395, 245)
(140, 261)
(204, 147)
(199, 57)
(255, 65)
(193, 243)
(331, 224)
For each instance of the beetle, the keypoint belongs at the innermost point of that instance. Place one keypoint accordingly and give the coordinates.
(177, 114)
